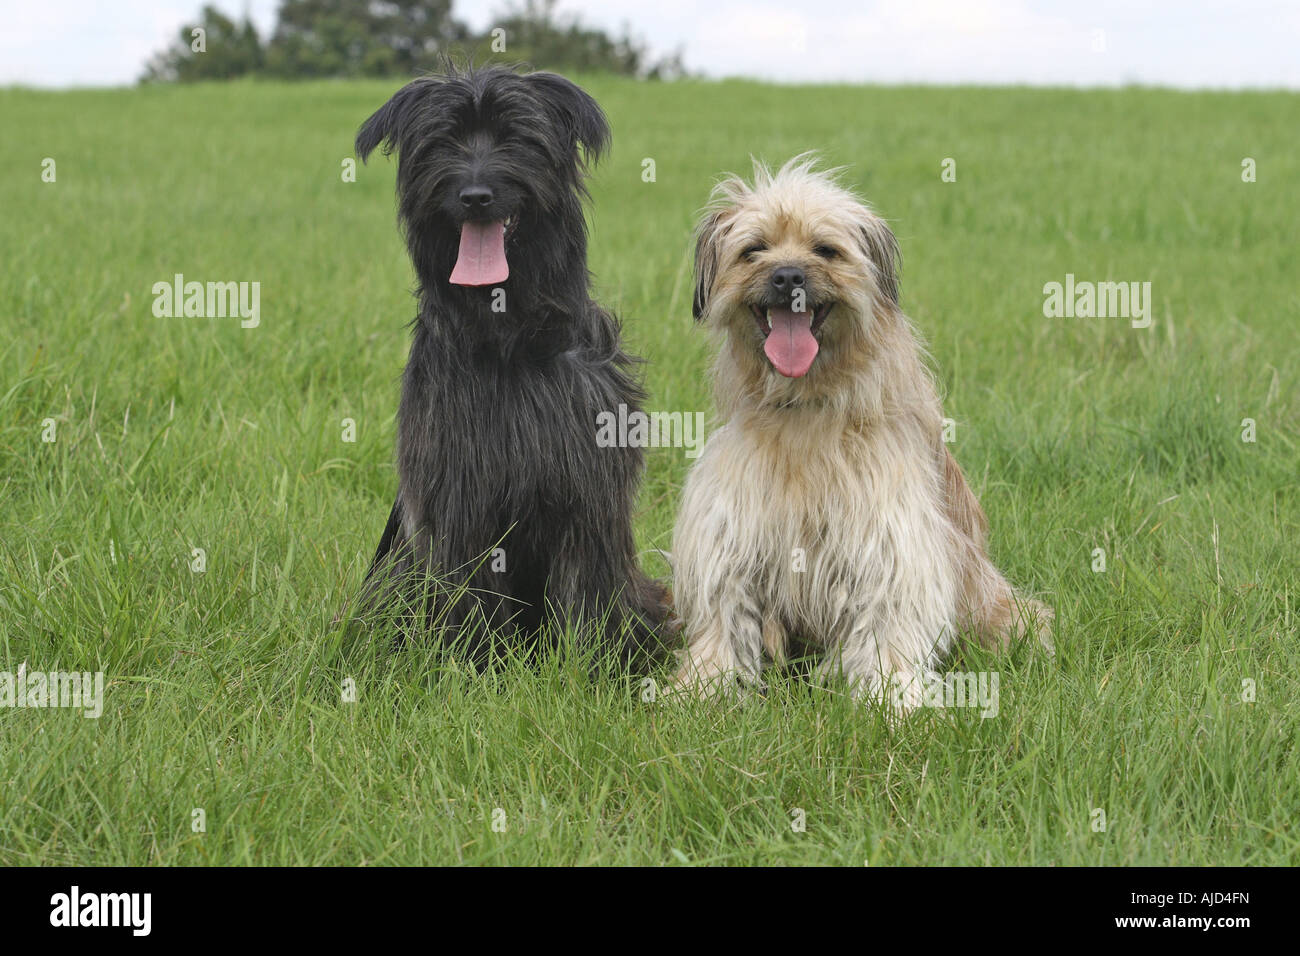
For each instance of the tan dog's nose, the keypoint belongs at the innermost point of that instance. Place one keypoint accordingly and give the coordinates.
(785, 280)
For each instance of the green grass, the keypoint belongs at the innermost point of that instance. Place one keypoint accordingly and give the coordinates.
(224, 686)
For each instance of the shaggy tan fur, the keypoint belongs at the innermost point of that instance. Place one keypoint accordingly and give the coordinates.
(827, 507)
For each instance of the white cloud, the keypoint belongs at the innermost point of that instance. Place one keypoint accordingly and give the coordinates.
(98, 42)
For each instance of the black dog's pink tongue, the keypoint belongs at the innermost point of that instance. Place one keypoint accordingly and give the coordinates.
(790, 346)
(482, 258)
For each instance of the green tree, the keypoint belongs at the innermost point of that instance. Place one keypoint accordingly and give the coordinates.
(215, 48)
(361, 37)
(339, 38)
(536, 35)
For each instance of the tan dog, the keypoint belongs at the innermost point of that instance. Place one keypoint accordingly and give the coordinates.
(828, 508)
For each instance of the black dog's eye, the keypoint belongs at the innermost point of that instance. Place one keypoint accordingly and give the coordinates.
(751, 251)
(827, 252)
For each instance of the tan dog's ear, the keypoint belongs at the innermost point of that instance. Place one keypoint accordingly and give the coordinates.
(881, 248)
(706, 259)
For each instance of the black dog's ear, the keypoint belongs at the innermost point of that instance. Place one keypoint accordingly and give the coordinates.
(580, 113)
(706, 260)
(881, 247)
(387, 123)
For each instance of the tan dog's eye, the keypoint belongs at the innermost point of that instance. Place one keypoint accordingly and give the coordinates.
(827, 252)
(751, 251)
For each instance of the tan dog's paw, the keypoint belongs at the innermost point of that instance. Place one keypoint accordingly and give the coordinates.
(704, 683)
(899, 692)
(1036, 619)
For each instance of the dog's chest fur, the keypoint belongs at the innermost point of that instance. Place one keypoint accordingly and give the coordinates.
(508, 435)
(837, 524)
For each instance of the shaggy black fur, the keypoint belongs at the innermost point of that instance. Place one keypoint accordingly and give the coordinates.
(496, 443)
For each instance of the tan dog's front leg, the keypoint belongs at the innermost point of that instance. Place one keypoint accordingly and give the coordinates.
(724, 651)
(882, 662)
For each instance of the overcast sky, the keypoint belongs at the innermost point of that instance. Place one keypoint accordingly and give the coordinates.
(1196, 43)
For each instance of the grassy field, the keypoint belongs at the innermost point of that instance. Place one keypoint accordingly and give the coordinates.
(1171, 705)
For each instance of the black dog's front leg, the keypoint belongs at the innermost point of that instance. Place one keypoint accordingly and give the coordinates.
(391, 538)
(386, 588)
(595, 585)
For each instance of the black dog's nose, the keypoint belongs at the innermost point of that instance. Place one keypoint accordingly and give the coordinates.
(472, 196)
(786, 279)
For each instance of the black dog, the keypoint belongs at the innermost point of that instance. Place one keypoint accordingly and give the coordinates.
(510, 365)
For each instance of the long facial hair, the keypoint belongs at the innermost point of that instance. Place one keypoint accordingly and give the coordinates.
(801, 216)
(532, 137)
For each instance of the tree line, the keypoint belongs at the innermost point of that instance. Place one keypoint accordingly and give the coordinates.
(354, 38)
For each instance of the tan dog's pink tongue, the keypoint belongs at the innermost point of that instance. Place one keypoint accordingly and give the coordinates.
(790, 346)
(482, 258)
